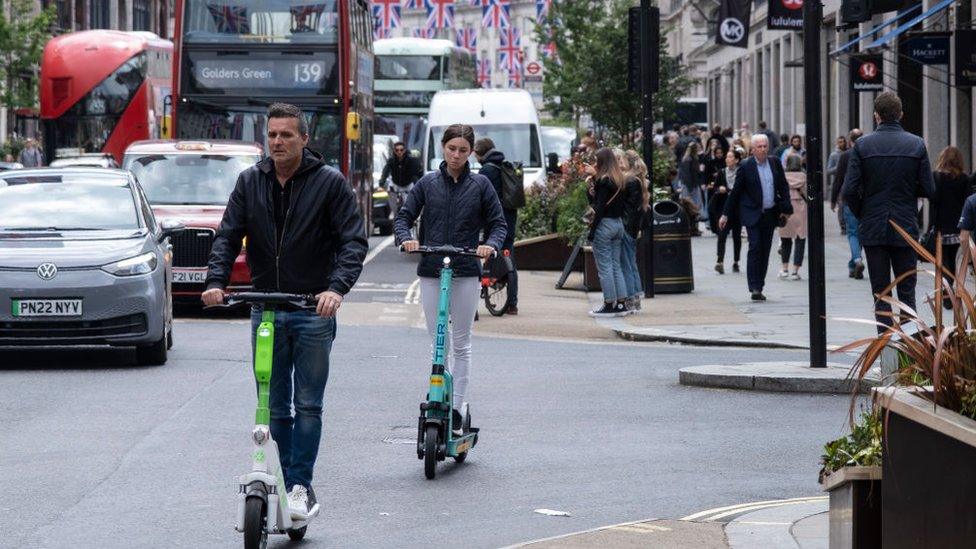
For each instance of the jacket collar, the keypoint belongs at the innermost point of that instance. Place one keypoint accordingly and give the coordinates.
(310, 160)
(464, 172)
(893, 126)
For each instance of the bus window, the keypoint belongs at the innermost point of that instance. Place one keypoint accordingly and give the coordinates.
(266, 21)
(408, 67)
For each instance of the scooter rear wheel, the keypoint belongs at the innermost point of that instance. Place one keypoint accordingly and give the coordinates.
(255, 536)
(430, 452)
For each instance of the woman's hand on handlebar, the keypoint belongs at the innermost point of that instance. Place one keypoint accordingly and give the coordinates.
(484, 252)
(410, 245)
(213, 297)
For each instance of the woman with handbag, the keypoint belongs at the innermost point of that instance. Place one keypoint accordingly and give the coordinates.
(724, 183)
(952, 187)
(607, 231)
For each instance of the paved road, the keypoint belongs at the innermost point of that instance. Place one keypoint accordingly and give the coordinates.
(100, 453)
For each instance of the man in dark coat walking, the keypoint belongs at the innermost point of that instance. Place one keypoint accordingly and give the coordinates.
(887, 171)
(760, 201)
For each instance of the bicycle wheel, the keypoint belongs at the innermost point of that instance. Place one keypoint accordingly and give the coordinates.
(496, 297)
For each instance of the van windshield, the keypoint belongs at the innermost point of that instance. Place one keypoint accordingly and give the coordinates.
(519, 142)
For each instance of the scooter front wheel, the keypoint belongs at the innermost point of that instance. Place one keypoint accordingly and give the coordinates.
(430, 451)
(255, 536)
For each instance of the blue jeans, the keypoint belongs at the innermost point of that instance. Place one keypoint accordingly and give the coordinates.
(851, 222)
(302, 343)
(628, 264)
(607, 241)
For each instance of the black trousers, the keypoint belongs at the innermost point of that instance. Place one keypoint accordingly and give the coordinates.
(511, 219)
(786, 247)
(760, 244)
(735, 233)
(882, 262)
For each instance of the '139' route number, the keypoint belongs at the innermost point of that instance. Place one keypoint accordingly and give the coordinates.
(308, 72)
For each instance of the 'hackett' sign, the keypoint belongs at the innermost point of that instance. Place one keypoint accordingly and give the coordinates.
(927, 48)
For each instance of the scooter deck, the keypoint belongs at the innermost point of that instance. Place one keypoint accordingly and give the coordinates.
(462, 443)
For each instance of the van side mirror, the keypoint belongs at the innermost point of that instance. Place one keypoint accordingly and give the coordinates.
(435, 163)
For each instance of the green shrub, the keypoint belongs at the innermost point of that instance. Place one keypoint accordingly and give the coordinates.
(861, 447)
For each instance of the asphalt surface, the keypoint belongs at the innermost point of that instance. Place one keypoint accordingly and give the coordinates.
(98, 452)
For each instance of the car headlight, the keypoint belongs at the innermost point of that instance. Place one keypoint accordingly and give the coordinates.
(140, 264)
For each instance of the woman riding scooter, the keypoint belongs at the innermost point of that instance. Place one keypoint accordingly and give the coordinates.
(456, 205)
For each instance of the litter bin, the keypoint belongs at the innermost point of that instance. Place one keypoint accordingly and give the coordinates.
(672, 250)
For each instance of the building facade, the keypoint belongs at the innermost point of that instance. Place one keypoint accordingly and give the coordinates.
(764, 82)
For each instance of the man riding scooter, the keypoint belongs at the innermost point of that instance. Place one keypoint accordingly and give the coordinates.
(405, 171)
(311, 242)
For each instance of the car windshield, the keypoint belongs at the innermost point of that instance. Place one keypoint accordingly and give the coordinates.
(56, 205)
(200, 179)
(519, 142)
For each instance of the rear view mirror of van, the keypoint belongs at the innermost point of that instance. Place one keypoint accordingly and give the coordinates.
(435, 163)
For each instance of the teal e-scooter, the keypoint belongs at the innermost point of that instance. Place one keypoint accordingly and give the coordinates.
(262, 505)
(436, 438)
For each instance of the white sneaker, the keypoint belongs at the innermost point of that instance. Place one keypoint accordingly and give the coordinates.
(784, 274)
(298, 502)
(795, 276)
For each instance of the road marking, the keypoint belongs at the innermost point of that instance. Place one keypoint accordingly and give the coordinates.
(581, 532)
(413, 293)
(642, 528)
(722, 512)
(379, 248)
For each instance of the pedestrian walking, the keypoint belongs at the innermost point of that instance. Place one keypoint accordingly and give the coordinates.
(305, 235)
(784, 143)
(855, 266)
(793, 235)
(952, 187)
(724, 183)
(718, 139)
(493, 166)
(887, 172)
(456, 204)
(405, 171)
(796, 147)
(832, 182)
(607, 231)
(760, 201)
(691, 176)
(30, 155)
(764, 129)
(636, 202)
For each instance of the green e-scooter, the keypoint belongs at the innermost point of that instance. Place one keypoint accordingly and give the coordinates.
(262, 499)
(436, 439)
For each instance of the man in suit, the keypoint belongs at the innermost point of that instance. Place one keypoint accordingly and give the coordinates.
(760, 201)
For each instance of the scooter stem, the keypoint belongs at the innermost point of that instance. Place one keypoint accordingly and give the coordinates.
(263, 355)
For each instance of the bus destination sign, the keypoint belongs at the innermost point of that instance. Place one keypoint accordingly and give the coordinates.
(304, 74)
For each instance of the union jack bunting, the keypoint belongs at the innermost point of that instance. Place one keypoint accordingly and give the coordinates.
(515, 79)
(415, 4)
(542, 11)
(380, 33)
(510, 50)
(230, 19)
(429, 34)
(484, 73)
(495, 13)
(467, 38)
(440, 14)
(549, 51)
(386, 13)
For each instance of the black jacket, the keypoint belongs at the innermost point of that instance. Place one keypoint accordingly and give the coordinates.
(633, 216)
(491, 168)
(887, 171)
(839, 176)
(744, 206)
(404, 172)
(607, 202)
(323, 244)
(947, 201)
(454, 214)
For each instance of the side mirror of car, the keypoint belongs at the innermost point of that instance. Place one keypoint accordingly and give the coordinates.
(170, 227)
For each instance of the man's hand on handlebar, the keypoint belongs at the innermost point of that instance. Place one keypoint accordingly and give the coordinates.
(213, 297)
(410, 246)
(484, 252)
(328, 304)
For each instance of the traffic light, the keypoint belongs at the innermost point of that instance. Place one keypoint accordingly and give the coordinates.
(853, 12)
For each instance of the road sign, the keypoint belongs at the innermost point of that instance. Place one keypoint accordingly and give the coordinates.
(533, 68)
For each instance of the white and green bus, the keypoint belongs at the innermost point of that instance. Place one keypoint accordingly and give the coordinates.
(409, 71)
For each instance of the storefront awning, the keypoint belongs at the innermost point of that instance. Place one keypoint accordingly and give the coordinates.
(901, 15)
(886, 39)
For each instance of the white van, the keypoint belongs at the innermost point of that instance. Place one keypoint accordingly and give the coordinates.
(508, 117)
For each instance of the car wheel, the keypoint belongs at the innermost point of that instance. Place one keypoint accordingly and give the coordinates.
(154, 354)
(169, 340)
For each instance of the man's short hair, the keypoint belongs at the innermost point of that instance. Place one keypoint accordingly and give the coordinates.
(762, 124)
(888, 106)
(400, 144)
(854, 135)
(784, 138)
(483, 145)
(760, 137)
(287, 110)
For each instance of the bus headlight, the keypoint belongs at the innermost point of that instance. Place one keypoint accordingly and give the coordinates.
(140, 264)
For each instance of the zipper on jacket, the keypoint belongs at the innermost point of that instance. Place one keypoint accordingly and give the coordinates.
(284, 227)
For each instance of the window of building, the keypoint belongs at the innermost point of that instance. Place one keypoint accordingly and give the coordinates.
(141, 19)
(99, 16)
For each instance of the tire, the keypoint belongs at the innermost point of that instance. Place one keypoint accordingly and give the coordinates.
(496, 298)
(153, 354)
(430, 452)
(297, 534)
(169, 340)
(255, 536)
(466, 427)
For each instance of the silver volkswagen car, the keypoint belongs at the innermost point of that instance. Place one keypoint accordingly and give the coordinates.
(83, 261)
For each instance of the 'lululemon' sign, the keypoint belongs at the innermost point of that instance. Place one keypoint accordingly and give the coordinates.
(785, 15)
(866, 75)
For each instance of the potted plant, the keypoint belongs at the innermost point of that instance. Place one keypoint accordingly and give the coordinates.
(851, 474)
(928, 415)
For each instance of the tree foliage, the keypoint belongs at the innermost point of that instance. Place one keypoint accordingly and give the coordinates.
(23, 33)
(591, 75)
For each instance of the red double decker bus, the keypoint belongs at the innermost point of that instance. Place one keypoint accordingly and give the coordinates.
(234, 58)
(101, 90)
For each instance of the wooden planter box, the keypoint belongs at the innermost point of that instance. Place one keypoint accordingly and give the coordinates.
(544, 253)
(929, 480)
(855, 507)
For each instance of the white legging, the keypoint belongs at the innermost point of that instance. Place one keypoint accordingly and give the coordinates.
(464, 303)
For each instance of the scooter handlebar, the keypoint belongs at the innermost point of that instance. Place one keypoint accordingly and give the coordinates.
(301, 301)
(446, 250)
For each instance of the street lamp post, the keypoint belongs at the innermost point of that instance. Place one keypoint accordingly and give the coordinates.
(813, 114)
(650, 17)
